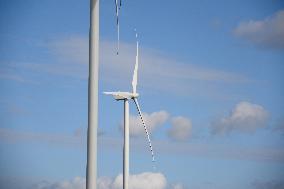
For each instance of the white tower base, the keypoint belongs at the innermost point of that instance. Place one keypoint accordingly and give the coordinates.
(126, 145)
(91, 173)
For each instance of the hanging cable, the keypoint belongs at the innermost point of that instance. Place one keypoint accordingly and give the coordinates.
(117, 8)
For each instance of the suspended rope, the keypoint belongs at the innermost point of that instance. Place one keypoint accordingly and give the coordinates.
(117, 9)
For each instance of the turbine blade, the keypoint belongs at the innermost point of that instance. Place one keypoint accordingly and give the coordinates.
(117, 8)
(117, 36)
(135, 73)
(110, 93)
(144, 125)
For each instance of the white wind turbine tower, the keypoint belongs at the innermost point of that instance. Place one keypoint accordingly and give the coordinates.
(91, 171)
(126, 96)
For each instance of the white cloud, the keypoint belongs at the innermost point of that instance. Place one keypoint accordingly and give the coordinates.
(181, 128)
(178, 186)
(73, 48)
(144, 180)
(153, 121)
(266, 33)
(166, 147)
(220, 151)
(141, 181)
(13, 135)
(75, 183)
(245, 117)
(104, 183)
(158, 72)
(13, 77)
(7, 72)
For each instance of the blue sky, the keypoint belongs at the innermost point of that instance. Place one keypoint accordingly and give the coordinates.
(210, 83)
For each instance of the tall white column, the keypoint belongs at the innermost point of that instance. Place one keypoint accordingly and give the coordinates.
(126, 145)
(91, 175)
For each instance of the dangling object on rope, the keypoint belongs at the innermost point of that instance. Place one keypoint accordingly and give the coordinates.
(117, 9)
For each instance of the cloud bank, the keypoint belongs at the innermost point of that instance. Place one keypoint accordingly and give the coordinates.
(144, 180)
(152, 120)
(157, 72)
(181, 128)
(13, 136)
(245, 117)
(164, 146)
(265, 33)
(141, 181)
(76, 183)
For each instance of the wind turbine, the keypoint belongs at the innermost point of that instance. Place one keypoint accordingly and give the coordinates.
(126, 96)
(117, 9)
(91, 171)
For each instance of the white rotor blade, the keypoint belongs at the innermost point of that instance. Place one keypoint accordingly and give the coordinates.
(135, 73)
(144, 125)
(117, 8)
(117, 38)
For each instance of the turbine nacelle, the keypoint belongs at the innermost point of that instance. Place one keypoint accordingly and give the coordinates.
(122, 95)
